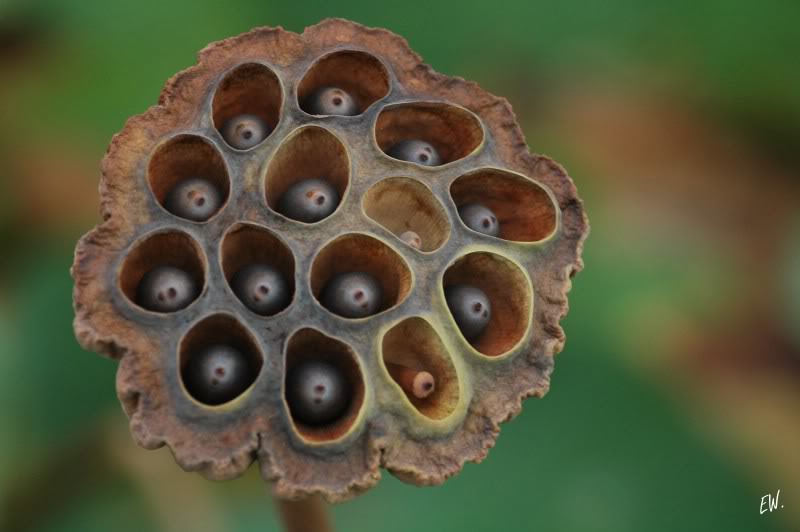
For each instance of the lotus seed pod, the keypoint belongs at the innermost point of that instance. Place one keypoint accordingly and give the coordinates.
(423, 394)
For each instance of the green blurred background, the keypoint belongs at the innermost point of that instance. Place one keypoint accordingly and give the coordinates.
(676, 403)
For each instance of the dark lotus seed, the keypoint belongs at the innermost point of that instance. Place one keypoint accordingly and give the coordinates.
(479, 218)
(352, 295)
(317, 393)
(261, 288)
(330, 101)
(217, 374)
(166, 289)
(470, 308)
(309, 201)
(415, 151)
(193, 198)
(244, 131)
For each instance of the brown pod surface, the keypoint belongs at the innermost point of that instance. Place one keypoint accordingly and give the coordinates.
(526, 271)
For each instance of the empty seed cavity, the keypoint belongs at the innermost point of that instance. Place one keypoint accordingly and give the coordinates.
(408, 209)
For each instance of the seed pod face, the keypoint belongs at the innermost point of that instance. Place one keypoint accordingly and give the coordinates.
(396, 220)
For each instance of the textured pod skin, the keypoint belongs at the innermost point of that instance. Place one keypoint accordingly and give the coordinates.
(530, 266)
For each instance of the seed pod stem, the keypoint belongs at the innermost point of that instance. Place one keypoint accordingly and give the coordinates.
(300, 515)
